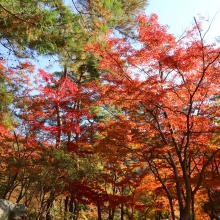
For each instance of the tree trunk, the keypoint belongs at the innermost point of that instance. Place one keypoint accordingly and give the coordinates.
(99, 211)
(122, 211)
(72, 207)
(48, 211)
(49, 205)
(66, 201)
(184, 216)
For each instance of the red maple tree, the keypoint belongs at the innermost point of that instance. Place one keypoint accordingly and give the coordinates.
(167, 88)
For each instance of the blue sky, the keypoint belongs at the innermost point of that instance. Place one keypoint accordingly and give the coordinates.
(178, 14)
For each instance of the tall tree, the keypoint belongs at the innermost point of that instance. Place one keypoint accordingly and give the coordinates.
(167, 88)
(56, 128)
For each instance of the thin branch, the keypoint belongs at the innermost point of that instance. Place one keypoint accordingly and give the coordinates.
(16, 15)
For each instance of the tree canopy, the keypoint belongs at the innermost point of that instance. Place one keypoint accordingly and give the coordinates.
(121, 131)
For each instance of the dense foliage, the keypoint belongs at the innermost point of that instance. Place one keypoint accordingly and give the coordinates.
(123, 130)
